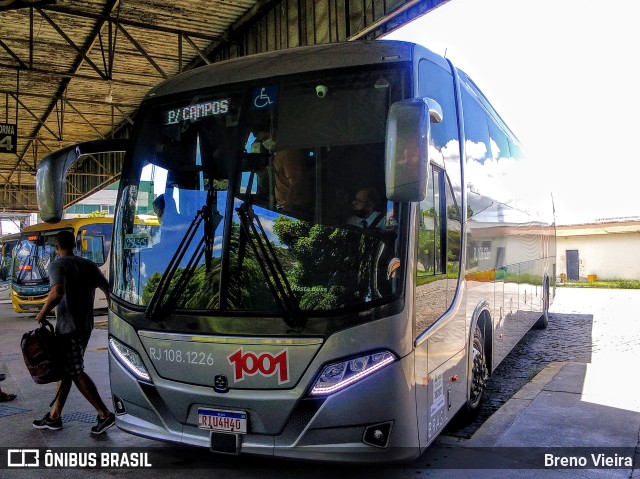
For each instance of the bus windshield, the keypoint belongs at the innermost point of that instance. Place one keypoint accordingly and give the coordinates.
(270, 198)
(36, 250)
(32, 256)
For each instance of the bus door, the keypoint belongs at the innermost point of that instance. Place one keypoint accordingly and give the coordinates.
(93, 242)
(439, 328)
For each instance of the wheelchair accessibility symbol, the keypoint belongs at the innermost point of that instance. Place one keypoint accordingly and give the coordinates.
(264, 98)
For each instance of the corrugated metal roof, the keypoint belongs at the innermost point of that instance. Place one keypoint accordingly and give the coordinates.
(84, 65)
(76, 70)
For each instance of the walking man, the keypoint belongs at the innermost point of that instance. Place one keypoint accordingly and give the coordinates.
(73, 285)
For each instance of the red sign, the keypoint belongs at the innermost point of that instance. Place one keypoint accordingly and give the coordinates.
(265, 364)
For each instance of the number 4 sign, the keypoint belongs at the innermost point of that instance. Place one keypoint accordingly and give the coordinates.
(8, 138)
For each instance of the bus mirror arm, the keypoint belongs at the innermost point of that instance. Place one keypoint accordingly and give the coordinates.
(52, 171)
(407, 147)
(435, 110)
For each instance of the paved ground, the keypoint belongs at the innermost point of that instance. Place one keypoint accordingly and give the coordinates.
(580, 330)
(588, 403)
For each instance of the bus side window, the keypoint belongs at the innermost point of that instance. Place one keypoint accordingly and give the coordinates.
(90, 244)
(438, 251)
(454, 229)
(430, 233)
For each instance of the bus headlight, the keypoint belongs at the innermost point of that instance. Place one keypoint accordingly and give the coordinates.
(130, 359)
(337, 376)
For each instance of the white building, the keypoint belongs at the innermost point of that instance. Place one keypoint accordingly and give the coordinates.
(607, 249)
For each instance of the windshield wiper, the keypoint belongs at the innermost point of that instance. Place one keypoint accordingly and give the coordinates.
(157, 307)
(268, 261)
(42, 271)
(23, 267)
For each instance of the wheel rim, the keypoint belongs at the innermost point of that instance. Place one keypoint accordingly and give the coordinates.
(478, 373)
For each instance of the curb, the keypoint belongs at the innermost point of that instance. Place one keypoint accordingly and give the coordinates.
(500, 421)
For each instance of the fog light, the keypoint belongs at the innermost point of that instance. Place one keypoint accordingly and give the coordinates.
(118, 405)
(378, 435)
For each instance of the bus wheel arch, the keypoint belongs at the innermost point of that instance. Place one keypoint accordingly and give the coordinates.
(480, 354)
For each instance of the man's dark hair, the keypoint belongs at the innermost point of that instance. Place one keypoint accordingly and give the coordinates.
(158, 205)
(66, 240)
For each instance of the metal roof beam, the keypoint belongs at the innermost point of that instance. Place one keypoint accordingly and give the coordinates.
(124, 114)
(198, 51)
(73, 99)
(132, 23)
(65, 81)
(69, 76)
(80, 52)
(245, 21)
(20, 63)
(142, 51)
(84, 118)
(28, 110)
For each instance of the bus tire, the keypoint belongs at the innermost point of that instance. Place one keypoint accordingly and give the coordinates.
(479, 371)
(544, 319)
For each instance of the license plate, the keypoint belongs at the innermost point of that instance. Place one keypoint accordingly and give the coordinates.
(222, 421)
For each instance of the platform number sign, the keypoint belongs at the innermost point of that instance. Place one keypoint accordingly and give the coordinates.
(8, 138)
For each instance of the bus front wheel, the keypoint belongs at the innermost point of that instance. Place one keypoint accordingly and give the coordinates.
(479, 371)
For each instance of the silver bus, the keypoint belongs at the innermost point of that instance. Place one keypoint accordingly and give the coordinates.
(346, 251)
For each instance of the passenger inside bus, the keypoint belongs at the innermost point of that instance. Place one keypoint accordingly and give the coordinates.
(170, 213)
(366, 205)
(158, 207)
(293, 172)
(165, 208)
(314, 183)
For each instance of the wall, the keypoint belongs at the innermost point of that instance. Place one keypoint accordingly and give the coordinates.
(609, 256)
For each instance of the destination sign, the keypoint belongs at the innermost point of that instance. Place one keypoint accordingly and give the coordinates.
(197, 111)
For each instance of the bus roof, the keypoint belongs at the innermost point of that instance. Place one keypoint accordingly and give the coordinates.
(9, 237)
(70, 223)
(288, 61)
(76, 223)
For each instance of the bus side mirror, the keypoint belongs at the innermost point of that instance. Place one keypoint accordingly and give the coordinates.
(52, 171)
(407, 146)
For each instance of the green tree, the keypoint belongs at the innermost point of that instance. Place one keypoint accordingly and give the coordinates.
(97, 214)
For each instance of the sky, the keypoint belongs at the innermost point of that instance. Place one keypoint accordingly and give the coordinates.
(561, 74)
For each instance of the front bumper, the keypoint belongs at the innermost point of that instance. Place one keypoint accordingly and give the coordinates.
(324, 429)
